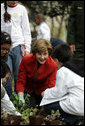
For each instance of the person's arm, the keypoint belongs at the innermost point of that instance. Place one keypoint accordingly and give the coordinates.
(8, 106)
(21, 80)
(58, 92)
(26, 31)
(2, 92)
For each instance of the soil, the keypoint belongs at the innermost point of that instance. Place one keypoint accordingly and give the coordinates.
(36, 120)
(11, 120)
(40, 120)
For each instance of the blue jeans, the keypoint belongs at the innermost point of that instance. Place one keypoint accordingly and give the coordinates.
(68, 118)
(55, 42)
(14, 59)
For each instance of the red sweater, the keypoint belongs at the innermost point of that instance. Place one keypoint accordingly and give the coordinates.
(33, 80)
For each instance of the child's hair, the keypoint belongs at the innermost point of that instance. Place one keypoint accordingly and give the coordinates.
(62, 52)
(42, 45)
(7, 16)
(4, 69)
(5, 38)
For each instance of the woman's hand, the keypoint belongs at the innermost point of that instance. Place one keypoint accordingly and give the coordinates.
(21, 97)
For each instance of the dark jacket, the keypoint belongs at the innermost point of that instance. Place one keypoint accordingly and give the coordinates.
(76, 65)
(76, 28)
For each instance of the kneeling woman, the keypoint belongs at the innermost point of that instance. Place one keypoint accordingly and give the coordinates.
(37, 72)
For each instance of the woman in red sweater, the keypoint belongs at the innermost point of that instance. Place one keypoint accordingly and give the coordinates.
(37, 71)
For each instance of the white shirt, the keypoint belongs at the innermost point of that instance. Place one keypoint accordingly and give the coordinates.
(7, 105)
(69, 91)
(44, 31)
(19, 27)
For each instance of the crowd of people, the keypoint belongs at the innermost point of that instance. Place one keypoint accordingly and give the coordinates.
(49, 70)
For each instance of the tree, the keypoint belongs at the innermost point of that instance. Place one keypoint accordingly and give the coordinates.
(51, 9)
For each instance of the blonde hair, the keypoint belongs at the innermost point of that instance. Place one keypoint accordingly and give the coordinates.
(42, 45)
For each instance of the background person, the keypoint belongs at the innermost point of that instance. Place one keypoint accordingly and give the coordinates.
(44, 30)
(75, 29)
(6, 104)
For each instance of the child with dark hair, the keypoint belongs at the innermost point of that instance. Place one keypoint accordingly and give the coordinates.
(6, 104)
(68, 94)
(5, 71)
(5, 48)
(63, 54)
(5, 45)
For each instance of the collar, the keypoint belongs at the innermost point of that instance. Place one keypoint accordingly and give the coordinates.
(12, 5)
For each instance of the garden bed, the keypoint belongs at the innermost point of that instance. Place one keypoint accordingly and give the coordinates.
(32, 116)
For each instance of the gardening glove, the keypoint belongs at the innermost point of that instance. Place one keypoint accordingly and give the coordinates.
(21, 98)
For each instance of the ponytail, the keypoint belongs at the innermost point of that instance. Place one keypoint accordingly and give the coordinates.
(7, 16)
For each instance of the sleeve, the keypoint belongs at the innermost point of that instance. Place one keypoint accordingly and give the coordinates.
(26, 30)
(60, 88)
(7, 104)
(2, 92)
(52, 78)
(22, 76)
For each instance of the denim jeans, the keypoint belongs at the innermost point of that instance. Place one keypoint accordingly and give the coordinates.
(56, 41)
(14, 59)
(68, 118)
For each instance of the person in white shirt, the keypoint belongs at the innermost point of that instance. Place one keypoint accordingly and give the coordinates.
(15, 21)
(44, 30)
(68, 94)
(6, 103)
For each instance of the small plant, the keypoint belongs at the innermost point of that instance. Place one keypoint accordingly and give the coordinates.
(3, 114)
(23, 108)
(17, 103)
(27, 113)
(55, 114)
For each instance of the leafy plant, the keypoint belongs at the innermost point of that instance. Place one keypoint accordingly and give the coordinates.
(17, 103)
(28, 112)
(23, 108)
(3, 114)
(54, 115)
